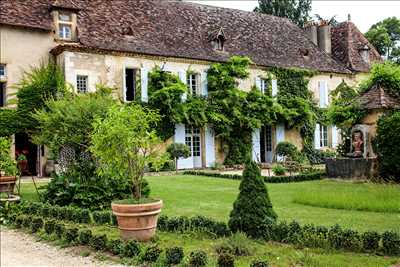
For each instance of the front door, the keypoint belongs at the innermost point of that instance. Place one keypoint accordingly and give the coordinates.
(266, 144)
(193, 141)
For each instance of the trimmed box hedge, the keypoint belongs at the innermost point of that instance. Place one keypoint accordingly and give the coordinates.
(307, 176)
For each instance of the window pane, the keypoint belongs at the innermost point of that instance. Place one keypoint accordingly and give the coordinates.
(64, 17)
(2, 70)
(82, 84)
(65, 31)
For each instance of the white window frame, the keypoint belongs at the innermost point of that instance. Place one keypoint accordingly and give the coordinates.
(193, 83)
(323, 136)
(78, 84)
(263, 85)
(63, 24)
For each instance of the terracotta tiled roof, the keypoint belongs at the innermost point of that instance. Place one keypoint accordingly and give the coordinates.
(347, 41)
(378, 98)
(180, 29)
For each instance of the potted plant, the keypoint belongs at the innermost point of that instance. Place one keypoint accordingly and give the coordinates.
(22, 162)
(8, 167)
(125, 143)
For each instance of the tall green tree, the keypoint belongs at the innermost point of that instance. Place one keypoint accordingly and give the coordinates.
(385, 36)
(295, 10)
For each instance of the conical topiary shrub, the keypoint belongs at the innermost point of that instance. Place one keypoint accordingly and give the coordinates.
(252, 211)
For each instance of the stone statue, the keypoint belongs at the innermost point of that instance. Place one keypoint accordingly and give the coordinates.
(357, 143)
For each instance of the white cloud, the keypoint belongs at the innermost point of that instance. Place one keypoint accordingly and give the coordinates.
(363, 13)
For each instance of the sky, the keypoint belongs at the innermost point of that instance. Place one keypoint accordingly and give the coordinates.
(363, 13)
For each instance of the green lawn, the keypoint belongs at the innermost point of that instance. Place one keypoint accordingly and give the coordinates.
(193, 195)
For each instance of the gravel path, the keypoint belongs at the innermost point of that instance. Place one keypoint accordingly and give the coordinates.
(20, 249)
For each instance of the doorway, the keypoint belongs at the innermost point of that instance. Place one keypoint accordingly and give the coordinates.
(266, 148)
(193, 141)
(23, 146)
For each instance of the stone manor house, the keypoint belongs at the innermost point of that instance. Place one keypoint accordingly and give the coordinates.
(117, 43)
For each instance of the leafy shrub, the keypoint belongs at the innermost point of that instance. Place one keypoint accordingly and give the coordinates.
(198, 258)
(114, 220)
(71, 234)
(26, 222)
(177, 223)
(37, 224)
(252, 211)
(98, 242)
(335, 237)
(294, 232)
(132, 248)
(177, 151)
(116, 247)
(391, 243)
(259, 263)
(370, 240)
(238, 244)
(151, 254)
(387, 148)
(279, 169)
(174, 255)
(201, 223)
(45, 210)
(59, 229)
(351, 240)
(19, 221)
(286, 149)
(280, 231)
(81, 216)
(225, 260)
(84, 236)
(102, 217)
(220, 229)
(162, 222)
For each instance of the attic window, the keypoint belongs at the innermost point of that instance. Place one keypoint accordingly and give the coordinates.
(364, 52)
(218, 39)
(65, 22)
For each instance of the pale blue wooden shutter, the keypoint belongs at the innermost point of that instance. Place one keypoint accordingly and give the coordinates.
(280, 137)
(256, 151)
(274, 85)
(144, 84)
(182, 77)
(258, 83)
(334, 137)
(323, 94)
(317, 137)
(204, 85)
(210, 146)
(180, 139)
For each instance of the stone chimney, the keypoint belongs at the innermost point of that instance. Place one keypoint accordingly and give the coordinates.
(325, 38)
(311, 30)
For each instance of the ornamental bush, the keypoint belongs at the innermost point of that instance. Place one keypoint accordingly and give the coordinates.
(37, 224)
(391, 243)
(174, 255)
(98, 242)
(151, 253)
(132, 248)
(238, 245)
(386, 146)
(102, 217)
(225, 260)
(59, 229)
(84, 236)
(286, 149)
(198, 258)
(370, 240)
(178, 151)
(252, 211)
(116, 246)
(71, 234)
(259, 263)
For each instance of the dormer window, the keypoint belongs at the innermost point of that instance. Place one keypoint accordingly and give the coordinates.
(65, 23)
(217, 39)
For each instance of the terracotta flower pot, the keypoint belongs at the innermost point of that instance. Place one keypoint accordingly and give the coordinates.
(137, 221)
(7, 184)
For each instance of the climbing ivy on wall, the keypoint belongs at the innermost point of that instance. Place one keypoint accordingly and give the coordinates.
(233, 112)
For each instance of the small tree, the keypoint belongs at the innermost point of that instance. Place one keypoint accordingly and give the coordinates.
(8, 166)
(177, 151)
(125, 143)
(252, 211)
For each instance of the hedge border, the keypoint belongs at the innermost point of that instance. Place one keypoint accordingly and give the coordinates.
(302, 177)
(334, 237)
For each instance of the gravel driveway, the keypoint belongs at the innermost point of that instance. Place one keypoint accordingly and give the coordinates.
(20, 249)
